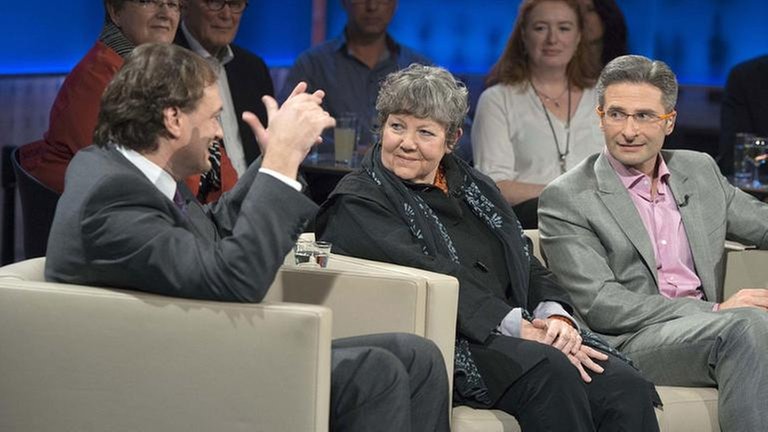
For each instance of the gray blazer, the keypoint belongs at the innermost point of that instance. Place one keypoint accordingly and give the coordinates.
(596, 243)
(113, 227)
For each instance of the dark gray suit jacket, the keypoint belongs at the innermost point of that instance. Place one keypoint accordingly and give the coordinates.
(113, 227)
(596, 243)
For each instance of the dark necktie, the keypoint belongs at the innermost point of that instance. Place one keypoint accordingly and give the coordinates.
(211, 181)
(180, 202)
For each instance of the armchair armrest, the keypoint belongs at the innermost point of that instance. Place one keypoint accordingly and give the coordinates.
(372, 297)
(91, 359)
(746, 268)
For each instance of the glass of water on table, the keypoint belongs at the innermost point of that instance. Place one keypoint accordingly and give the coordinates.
(756, 153)
(345, 138)
(312, 253)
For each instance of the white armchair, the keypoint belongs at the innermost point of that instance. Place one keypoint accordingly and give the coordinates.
(77, 358)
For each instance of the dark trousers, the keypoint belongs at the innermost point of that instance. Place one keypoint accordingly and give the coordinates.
(388, 382)
(552, 397)
(527, 213)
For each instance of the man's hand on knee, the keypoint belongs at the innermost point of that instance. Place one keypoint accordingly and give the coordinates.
(747, 297)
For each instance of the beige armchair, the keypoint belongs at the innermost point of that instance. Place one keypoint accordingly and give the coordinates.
(77, 358)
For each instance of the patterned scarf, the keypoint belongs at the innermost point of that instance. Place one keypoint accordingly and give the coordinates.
(115, 39)
(487, 204)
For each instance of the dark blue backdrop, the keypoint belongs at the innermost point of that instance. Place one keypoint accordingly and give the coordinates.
(701, 40)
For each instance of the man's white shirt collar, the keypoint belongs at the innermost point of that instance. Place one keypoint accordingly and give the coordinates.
(198, 49)
(158, 176)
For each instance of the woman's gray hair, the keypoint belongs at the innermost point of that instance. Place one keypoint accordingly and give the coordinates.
(638, 69)
(426, 92)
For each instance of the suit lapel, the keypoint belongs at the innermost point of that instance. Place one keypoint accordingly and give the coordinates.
(688, 197)
(195, 218)
(616, 198)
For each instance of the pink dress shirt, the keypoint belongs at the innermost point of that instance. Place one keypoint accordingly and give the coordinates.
(661, 217)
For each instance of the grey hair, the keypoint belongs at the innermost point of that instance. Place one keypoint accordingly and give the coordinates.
(426, 92)
(638, 69)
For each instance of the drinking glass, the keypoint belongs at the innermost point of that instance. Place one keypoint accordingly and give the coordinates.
(345, 138)
(304, 252)
(312, 253)
(322, 253)
(742, 168)
(756, 152)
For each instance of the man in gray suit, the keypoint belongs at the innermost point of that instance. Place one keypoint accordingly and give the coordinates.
(125, 220)
(636, 233)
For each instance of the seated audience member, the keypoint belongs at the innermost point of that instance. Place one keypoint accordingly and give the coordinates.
(414, 203)
(537, 119)
(127, 220)
(208, 28)
(636, 234)
(605, 30)
(745, 107)
(127, 23)
(351, 67)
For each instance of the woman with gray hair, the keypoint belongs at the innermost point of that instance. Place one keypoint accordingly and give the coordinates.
(127, 24)
(518, 348)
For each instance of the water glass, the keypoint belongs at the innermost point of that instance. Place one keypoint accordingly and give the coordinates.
(312, 253)
(756, 154)
(304, 252)
(322, 253)
(742, 167)
(345, 138)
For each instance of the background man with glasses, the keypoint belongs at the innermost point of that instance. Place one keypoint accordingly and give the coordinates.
(208, 28)
(636, 234)
(350, 67)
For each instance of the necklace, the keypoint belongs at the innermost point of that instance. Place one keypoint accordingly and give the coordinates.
(561, 155)
(556, 100)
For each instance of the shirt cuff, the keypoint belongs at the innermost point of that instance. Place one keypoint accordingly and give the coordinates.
(716, 307)
(546, 309)
(510, 325)
(283, 178)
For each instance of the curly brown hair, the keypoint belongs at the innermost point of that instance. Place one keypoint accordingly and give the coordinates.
(154, 77)
(513, 68)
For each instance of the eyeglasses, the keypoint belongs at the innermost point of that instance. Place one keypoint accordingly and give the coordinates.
(235, 6)
(616, 117)
(154, 5)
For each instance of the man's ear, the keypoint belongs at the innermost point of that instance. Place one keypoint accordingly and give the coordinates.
(669, 124)
(598, 110)
(172, 121)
